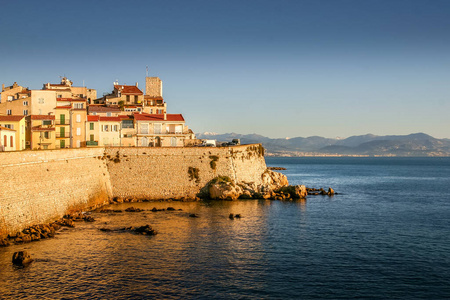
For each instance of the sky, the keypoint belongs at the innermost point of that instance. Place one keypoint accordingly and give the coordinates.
(331, 68)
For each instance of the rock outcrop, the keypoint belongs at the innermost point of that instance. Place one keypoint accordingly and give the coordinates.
(273, 185)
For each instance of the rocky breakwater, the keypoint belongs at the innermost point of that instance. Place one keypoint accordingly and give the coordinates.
(273, 185)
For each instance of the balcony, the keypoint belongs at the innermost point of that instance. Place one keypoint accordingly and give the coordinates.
(91, 143)
(62, 122)
(62, 135)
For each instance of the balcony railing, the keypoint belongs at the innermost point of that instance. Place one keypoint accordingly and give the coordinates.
(62, 122)
(62, 135)
(91, 143)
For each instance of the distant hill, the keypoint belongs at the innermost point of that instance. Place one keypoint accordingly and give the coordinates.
(417, 144)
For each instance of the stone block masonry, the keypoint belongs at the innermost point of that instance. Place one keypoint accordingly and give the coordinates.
(41, 186)
(163, 173)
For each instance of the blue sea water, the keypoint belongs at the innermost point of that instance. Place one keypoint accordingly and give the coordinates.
(385, 235)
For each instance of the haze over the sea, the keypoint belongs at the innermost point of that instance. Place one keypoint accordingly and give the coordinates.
(276, 68)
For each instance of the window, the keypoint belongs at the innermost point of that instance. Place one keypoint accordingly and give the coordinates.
(116, 128)
(127, 124)
(10, 98)
(47, 122)
(151, 111)
(91, 126)
(105, 128)
(78, 118)
(94, 113)
(5, 140)
(158, 127)
(78, 144)
(135, 99)
(45, 147)
(78, 131)
(41, 100)
(46, 134)
(25, 112)
(128, 98)
(8, 112)
(78, 105)
(25, 103)
(108, 114)
(10, 126)
(11, 142)
(144, 128)
(92, 138)
(59, 95)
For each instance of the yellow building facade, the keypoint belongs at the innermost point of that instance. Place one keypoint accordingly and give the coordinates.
(17, 123)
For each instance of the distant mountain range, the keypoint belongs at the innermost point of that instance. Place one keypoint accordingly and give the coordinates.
(417, 144)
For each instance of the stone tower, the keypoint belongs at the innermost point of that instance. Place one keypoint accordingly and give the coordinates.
(153, 86)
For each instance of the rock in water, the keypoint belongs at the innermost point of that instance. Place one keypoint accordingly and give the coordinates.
(21, 258)
(146, 230)
(330, 191)
(231, 216)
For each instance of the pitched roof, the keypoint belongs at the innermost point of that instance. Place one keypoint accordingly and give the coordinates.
(12, 118)
(6, 128)
(103, 119)
(128, 89)
(159, 117)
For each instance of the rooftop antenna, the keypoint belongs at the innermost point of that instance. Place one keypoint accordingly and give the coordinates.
(146, 71)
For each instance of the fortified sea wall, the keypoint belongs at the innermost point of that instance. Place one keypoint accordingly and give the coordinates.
(162, 173)
(41, 186)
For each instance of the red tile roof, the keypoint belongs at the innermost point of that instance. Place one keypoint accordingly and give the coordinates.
(64, 106)
(92, 118)
(12, 118)
(128, 89)
(103, 119)
(158, 117)
(42, 117)
(153, 97)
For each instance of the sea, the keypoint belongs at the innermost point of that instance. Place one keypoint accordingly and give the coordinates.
(384, 235)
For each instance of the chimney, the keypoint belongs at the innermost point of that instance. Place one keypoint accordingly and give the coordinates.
(136, 84)
(165, 116)
(3, 87)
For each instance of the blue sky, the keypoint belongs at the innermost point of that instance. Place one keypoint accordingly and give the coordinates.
(332, 68)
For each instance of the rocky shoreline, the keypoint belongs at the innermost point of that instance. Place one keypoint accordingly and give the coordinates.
(274, 186)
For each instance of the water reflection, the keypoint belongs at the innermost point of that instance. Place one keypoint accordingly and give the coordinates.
(189, 257)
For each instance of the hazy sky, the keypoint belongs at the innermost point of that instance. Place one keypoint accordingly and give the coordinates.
(277, 68)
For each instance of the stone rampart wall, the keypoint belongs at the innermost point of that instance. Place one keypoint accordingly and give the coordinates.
(40, 186)
(162, 173)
